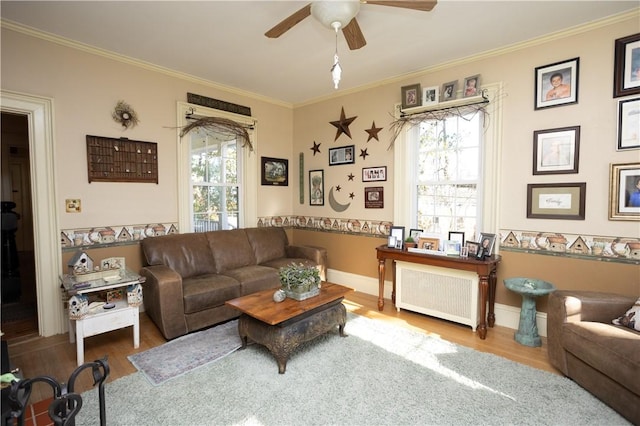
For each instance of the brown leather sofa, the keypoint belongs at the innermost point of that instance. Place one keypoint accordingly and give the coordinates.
(585, 346)
(190, 276)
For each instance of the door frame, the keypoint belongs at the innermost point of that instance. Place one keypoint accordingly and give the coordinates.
(39, 111)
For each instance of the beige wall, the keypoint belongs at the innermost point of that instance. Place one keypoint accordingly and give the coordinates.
(85, 88)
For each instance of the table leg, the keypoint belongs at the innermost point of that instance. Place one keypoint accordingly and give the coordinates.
(491, 317)
(381, 263)
(79, 342)
(482, 327)
(393, 281)
(136, 328)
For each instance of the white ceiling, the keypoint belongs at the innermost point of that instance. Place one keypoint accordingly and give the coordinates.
(224, 42)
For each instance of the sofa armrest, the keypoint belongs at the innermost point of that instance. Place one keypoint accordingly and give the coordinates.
(316, 254)
(567, 306)
(163, 300)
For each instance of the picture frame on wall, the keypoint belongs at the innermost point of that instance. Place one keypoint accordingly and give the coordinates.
(471, 86)
(374, 174)
(342, 155)
(411, 96)
(624, 192)
(628, 124)
(449, 91)
(274, 171)
(374, 197)
(556, 151)
(626, 68)
(316, 187)
(556, 201)
(557, 84)
(430, 95)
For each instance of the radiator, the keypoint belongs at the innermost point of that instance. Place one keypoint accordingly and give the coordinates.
(440, 292)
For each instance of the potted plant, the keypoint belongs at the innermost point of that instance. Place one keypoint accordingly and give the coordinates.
(299, 281)
(409, 242)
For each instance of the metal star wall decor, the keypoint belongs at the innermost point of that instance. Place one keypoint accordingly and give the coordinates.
(364, 153)
(352, 195)
(316, 148)
(373, 132)
(338, 188)
(351, 176)
(343, 125)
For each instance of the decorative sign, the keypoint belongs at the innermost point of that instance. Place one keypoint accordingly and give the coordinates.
(192, 98)
(374, 197)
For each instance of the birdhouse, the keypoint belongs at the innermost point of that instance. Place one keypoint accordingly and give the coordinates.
(81, 262)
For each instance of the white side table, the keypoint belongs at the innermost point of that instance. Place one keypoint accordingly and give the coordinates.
(99, 320)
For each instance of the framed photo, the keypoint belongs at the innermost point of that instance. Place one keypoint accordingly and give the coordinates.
(626, 66)
(275, 171)
(374, 174)
(471, 86)
(342, 155)
(374, 197)
(430, 96)
(485, 245)
(429, 243)
(472, 248)
(398, 233)
(449, 91)
(629, 124)
(457, 236)
(624, 192)
(556, 151)
(415, 234)
(556, 200)
(411, 96)
(557, 84)
(316, 187)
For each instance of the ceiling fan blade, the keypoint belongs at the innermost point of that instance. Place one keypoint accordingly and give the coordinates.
(423, 5)
(353, 35)
(289, 22)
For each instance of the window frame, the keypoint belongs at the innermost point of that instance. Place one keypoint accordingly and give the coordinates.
(404, 170)
(247, 181)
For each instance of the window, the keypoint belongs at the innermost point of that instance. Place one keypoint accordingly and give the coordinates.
(447, 175)
(217, 176)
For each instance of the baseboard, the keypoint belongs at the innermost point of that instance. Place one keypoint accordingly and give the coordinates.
(506, 316)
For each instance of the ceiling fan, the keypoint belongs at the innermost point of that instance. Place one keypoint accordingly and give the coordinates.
(342, 15)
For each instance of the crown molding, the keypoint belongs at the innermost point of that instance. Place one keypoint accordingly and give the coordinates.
(63, 41)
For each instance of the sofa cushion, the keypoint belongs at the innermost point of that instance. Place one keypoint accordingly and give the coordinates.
(187, 254)
(609, 349)
(231, 249)
(208, 291)
(267, 243)
(286, 261)
(631, 318)
(255, 278)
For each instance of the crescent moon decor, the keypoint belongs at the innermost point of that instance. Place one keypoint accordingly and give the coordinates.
(335, 205)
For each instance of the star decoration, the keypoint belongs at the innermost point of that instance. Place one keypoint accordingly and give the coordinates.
(316, 148)
(343, 125)
(373, 132)
(351, 195)
(364, 153)
(351, 176)
(338, 188)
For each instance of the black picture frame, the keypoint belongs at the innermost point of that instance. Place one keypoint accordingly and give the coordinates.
(374, 197)
(316, 187)
(274, 171)
(486, 242)
(415, 234)
(342, 155)
(398, 232)
(556, 151)
(566, 75)
(457, 236)
(626, 66)
(374, 174)
(556, 200)
(628, 124)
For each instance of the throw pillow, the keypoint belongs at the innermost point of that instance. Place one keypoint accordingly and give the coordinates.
(631, 318)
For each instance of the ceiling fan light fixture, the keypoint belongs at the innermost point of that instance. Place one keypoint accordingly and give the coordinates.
(330, 12)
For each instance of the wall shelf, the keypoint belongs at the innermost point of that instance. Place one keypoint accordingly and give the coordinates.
(443, 106)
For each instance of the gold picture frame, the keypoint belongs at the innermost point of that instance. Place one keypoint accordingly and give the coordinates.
(624, 192)
(429, 243)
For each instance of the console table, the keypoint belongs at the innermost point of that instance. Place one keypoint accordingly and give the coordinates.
(486, 270)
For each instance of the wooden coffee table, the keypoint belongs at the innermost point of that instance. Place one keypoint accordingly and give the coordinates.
(282, 327)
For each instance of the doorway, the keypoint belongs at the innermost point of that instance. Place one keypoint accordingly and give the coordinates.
(19, 301)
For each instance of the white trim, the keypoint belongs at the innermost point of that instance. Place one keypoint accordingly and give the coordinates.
(39, 111)
(506, 316)
(250, 177)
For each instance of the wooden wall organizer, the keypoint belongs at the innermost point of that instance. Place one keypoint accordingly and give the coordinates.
(121, 160)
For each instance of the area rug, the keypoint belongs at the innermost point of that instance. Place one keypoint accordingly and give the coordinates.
(380, 374)
(187, 353)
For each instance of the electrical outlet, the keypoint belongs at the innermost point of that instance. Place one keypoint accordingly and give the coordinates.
(72, 205)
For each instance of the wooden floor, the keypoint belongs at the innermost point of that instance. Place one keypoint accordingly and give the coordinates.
(56, 357)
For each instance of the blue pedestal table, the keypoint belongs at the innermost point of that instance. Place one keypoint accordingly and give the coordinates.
(529, 289)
